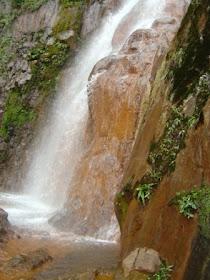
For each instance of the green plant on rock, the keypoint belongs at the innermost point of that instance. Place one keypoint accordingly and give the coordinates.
(187, 204)
(163, 273)
(191, 121)
(155, 174)
(144, 192)
(176, 111)
(195, 199)
(191, 200)
(29, 5)
(178, 57)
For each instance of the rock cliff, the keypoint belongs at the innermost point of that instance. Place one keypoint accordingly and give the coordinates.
(169, 164)
(119, 95)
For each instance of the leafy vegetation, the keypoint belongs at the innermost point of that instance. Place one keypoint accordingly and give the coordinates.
(195, 199)
(144, 192)
(29, 5)
(187, 202)
(45, 62)
(6, 19)
(163, 273)
(6, 46)
(163, 153)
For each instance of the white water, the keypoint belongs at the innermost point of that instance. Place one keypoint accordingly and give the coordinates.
(53, 162)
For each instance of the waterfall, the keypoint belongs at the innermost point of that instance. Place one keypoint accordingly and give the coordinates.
(52, 163)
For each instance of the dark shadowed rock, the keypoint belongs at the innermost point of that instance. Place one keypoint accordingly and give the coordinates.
(6, 232)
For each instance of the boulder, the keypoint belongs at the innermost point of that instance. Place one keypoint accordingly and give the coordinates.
(70, 37)
(147, 261)
(142, 259)
(6, 232)
(29, 261)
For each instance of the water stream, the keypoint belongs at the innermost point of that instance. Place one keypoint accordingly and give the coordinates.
(52, 163)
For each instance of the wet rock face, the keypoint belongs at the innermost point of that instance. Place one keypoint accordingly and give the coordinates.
(158, 225)
(95, 12)
(42, 19)
(173, 14)
(118, 93)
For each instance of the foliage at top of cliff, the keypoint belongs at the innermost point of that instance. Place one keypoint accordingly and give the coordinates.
(29, 5)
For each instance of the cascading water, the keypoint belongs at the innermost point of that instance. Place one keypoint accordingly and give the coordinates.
(53, 162)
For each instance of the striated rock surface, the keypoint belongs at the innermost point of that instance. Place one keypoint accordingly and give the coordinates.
(42, 19)
(118, 92)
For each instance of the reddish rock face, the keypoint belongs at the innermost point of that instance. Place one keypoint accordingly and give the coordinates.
(158, 225)
(118, 96)
(169, 232)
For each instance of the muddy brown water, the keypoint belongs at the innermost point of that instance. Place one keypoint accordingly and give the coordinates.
(69, 257)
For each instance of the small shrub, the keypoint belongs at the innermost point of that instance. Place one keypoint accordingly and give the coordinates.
(196, 199)
(191, 121)
(144, 192)
(186, 205)
(163, 273)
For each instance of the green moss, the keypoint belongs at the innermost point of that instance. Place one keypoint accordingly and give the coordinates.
(16, 114)
(122, 202)
(64, 23)
(68, 3)
(203, 203)
(191, 57)
(69, 18)
(122, 207)
(46, 64)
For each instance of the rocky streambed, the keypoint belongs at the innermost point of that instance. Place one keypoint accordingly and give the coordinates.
(26, 254)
